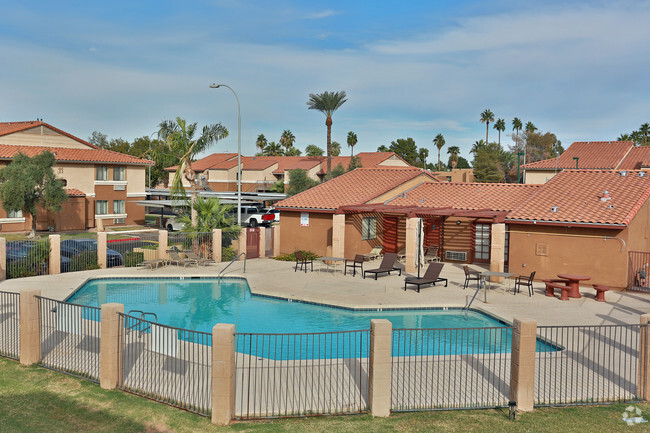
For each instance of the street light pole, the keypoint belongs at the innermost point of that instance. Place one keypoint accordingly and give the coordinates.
(216, 86)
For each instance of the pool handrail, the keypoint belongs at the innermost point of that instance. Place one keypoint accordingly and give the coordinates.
(472, 300)
(231, 262)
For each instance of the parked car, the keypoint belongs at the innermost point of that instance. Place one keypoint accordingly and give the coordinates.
(72, 247)
(172, 224)
(24, 252)
(271, 216)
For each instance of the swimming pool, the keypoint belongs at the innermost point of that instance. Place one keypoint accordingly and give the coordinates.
(199, 304)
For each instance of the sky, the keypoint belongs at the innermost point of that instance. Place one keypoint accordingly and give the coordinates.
(416, 68)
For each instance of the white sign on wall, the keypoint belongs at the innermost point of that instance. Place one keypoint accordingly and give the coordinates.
(304, 219)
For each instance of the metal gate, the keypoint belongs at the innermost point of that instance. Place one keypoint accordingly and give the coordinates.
(637, 274)
(252, 243)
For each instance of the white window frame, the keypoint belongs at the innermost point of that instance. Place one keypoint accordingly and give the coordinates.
(368, 228)
(119, 169)
(104, 173)
(98, 211)
(122, 207)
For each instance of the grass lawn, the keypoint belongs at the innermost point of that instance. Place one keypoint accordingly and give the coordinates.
(33, 399)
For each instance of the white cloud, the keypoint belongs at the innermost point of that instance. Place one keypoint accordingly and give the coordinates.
(323, 14)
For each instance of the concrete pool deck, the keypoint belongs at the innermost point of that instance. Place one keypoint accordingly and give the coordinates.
(275, 278)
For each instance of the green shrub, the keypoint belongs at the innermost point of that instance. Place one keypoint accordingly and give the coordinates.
(228, 254)
(133, 258)
(84, 261)
(291, 257)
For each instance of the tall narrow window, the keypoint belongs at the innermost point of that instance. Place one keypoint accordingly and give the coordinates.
(102, 173)
(368, 228)
(118, 206)
(101, 207)
(118, 173)
(482, 243)
(15, 214)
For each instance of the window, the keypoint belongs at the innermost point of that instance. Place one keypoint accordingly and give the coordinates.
(64, 182)
(118, 173)
(102, 173)
(368, 228)
(482, 243)
(118, 206)
(15, 214)
(102, 207)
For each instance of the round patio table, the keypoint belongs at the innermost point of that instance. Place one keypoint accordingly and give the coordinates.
(574, 283)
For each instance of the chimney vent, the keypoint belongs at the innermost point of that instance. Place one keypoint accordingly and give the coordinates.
(605, 196)
(554, 209)
(623, 173)
(642, 174)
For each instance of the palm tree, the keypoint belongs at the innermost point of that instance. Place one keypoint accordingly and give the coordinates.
(478, 145)
(273, 149)
(624, 137)
(261, 142)
(530, 127)
(486, 117)
(313, 150)
(516, 126)
(287, 139)
(645, 129)
(453, 152)
(212, 214)
(327, 103)
(439, 141)
(352, 141)
(500, 125)
(335, 148)
(423, 154)
(636, 137)
(178, 139)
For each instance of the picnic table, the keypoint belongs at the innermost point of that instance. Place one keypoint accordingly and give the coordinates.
(573, 281)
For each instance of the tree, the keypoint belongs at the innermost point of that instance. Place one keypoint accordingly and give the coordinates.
(292, 151)
(463, 163)
(624, 137)
(478, 145)
(500, 125)
(352, 141)
(530, 127)
(313, 150)
(453, 152)
(542, 146)
(355, 162)
(98, 139)
(299, 181)
(405, 148)
(423, 153)
(336, 172)
(487, 116)
(211, 214)
(261, 142)
(178, 139)
(645, 129)
(516, 126)
(439, 141)
(287, 139)
(273, 149)
(636, 137)
(327, 103)
(487, 163)
(335, 148)
(383, 148)
(29, 183)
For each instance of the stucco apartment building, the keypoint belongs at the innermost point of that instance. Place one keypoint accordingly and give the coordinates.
(101, 184)
(580, 222)
(218, 171)
(598, 155)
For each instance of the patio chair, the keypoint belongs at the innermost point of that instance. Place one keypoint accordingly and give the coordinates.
(386, 266)
(432, 254)
(302, 261)
(175, 258)
(354, 264)
(431, 276)
(153, 263)
(525, 280)
(374, 253)
(471, 276)
(200, 261)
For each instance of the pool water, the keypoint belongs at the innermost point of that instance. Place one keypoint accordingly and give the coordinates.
(199, 304)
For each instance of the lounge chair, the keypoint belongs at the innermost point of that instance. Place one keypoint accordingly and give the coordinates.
(302, 261)
(374, 253)
(525, 280)
(200, 261)
(471, 276)
(432, 254)
(431, 276)
(354, 264)
(387, 265)
(174, 257)
(153, 263)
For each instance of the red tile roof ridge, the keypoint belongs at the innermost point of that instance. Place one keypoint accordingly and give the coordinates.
(71, 154)
(590, 154)
(74, 192)
(28, 124)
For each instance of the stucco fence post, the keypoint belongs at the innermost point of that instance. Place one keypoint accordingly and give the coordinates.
(644, 358)
(55, 254)
(101, 250)
(30, 327)
(3, 259)
(162, 244)
(522, 363)
(379, 370)
(216, 245)
(241, 243)
(276, 240)
(110, 346)
(223, 373)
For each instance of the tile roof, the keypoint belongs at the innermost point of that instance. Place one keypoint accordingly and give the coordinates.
(74, 192)
(636, 158)
(207, 162)
(471, 196)
(368, 160)
(355, 187)
(292, 162)
(12, 127)
(66, 154)
(591, 154)
(577, 196)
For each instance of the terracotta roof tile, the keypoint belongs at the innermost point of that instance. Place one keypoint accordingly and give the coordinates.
(355, 187)
(591, 154)
(368, 160)
(292, 162)
(471, 196)
(66, 154)
(577, 195)
(74, 192)
(636, 158)
(12, 127)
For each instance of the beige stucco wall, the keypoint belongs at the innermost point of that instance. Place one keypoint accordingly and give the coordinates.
(393, 161)
(79, 176)
(229, 175)
(402, 188)
(41, 136)
(259, 175)
(538, 177)
(136, 177)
